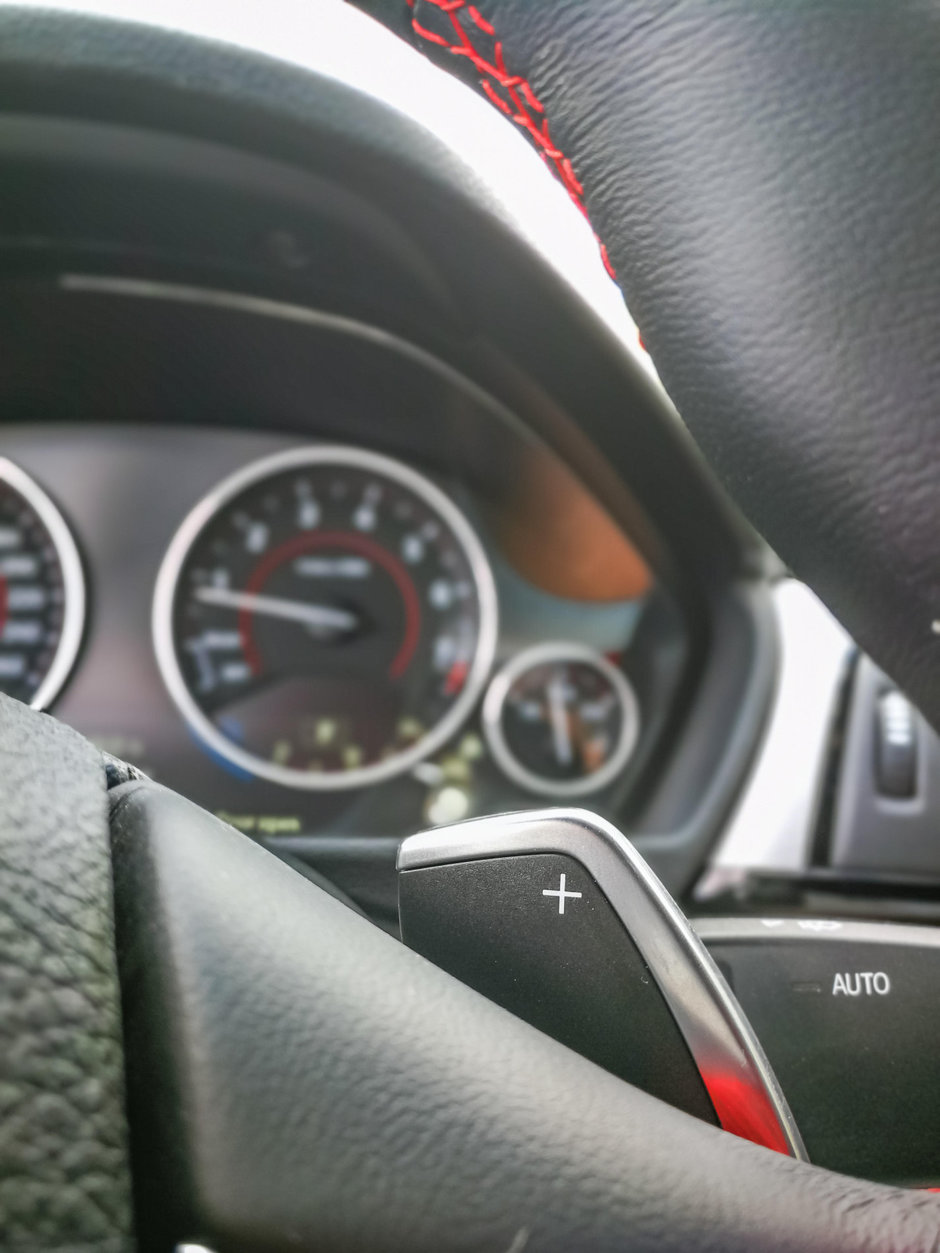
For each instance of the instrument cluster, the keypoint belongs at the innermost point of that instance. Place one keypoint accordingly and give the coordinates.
(342, 640)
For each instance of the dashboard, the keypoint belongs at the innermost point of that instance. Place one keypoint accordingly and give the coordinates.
(343, 536)
(407, 612)
(351, 536)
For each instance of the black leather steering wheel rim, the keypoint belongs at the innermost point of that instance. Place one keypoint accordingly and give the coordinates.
(764, 180)
(64, 1171)
(491, 1135)
(298, 1079)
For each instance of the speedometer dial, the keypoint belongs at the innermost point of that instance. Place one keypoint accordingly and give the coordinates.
(325, 618)
(42, 592)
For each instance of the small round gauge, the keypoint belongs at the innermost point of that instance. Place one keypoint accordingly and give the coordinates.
(325, 618)
(42, 592)
(561, 719)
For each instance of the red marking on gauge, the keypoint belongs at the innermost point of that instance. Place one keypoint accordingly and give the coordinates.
(365, 547)
(456, 678)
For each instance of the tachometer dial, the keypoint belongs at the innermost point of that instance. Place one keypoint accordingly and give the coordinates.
(325, 618)
(42, 592)
(561, 719)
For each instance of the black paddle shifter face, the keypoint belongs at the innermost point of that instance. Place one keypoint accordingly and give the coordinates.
(554, 915)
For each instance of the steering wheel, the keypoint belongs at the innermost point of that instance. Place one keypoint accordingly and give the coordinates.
(763, 178)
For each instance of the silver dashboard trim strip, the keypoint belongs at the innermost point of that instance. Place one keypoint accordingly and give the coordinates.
(285, 311)
(829, 931)
(732, 1063)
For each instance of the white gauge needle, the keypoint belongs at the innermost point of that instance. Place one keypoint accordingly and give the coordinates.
(559, 720)
(323, 618)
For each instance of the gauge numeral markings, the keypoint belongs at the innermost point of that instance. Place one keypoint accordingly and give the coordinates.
(362, 601)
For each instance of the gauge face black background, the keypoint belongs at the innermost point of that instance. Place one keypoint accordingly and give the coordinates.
(32, 597)
(326, 620)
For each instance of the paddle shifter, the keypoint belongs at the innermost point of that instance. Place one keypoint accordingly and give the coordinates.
(554, 915)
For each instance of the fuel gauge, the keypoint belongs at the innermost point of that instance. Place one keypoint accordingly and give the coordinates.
(561, 719)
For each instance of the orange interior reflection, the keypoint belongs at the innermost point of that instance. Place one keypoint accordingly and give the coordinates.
(575, 549)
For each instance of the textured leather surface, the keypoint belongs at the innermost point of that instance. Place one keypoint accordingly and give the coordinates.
(64, 1179)
(765, 179)
(312, 1084)
(328, 1089)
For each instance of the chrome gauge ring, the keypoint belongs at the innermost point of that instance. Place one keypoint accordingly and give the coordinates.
(325, 618)
(560, 719)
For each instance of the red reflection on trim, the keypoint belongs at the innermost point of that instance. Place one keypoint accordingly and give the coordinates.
(745, 1111)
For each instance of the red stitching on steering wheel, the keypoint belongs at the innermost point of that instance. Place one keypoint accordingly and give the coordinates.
(511, 93)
